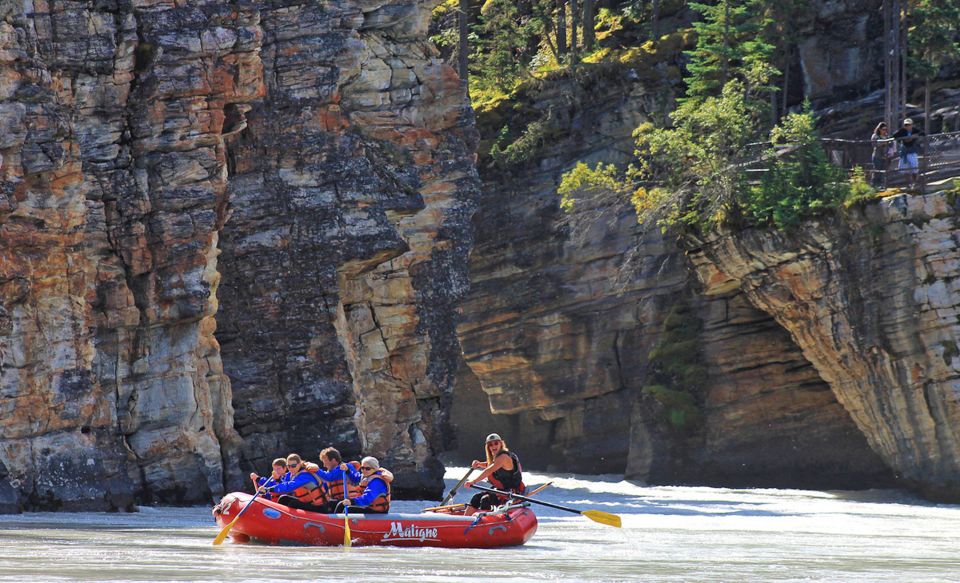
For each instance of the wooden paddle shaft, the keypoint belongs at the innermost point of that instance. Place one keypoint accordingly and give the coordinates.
(539, 489)
(453, 491)
(447, 507)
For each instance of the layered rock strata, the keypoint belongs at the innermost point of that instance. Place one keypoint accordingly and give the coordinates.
(764, 404)
(873, 302)
(345, 255)
(125, 130)
(114, 184)
(558, 327)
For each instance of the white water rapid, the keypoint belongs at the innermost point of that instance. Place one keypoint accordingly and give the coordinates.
(669, 534)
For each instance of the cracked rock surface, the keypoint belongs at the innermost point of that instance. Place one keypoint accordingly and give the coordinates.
(558, 328)
(873, 302)
(314, 157)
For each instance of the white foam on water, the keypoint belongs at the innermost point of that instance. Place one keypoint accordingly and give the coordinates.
(669, 534)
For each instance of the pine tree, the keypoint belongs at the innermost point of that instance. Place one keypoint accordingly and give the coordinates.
(932, 42)
(784, 32)
(729, 46)
(508, 36)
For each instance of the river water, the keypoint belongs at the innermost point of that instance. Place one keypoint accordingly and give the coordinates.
(668, 534)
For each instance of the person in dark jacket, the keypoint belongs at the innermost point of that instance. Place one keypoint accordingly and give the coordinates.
(883, 150)
(375, 481)
(502, 469)
(909, 140)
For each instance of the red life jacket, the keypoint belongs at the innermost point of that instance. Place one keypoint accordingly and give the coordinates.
(382, 502)
(334, 490)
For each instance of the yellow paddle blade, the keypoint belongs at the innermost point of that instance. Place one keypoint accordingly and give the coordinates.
(346, 531)
(226, 530)
(602, 517)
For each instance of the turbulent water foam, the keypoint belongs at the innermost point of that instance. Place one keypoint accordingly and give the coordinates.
(668, 534)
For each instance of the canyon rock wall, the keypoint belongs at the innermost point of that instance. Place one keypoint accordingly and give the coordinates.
(839, 48)
(558, 326)
(558, 329)
(872, 300)
(130, 132)
(114, 184)
(345, 255)
(764, 404)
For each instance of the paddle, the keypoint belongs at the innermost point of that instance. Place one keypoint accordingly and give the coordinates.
(226, 529)
(453, 492)
(594, 515)
(346, 514)
(540, 489)
(447, 507)
(461, 505)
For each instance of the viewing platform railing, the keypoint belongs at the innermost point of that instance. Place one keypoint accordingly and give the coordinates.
(939, 159)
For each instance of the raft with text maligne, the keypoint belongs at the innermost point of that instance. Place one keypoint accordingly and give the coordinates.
(271, 523)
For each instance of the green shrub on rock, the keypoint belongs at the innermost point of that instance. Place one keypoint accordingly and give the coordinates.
(676, 373)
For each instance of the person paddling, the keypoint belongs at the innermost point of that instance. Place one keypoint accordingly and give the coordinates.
(278, 475)
(333, 472)
(502, 469)
(301, 488)
(332, 475)
(375, 481)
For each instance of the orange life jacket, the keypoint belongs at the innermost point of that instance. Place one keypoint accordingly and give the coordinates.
(334, 490)
(380, 503)
(312, 493)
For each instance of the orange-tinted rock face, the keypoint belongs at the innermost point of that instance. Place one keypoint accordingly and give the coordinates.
(130, 132)
(114, 195)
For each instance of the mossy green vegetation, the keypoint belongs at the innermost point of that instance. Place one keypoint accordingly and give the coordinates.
(676, 372)
(586, 182)
(950, 351)
(953, 194)
(517, 52)
(697, 175)
(514, 130)
(506, 152)
(800, 181)
(722, 160)
(860, 190)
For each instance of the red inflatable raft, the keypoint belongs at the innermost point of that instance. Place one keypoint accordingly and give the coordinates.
(272, 523)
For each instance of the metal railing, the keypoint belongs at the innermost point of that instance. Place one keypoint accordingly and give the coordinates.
(939, 159)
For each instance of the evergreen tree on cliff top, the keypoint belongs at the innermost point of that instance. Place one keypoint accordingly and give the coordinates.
(933, 41)
(730, 46)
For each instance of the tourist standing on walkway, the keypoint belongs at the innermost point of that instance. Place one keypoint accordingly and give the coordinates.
(909, 142)
(884, 149)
